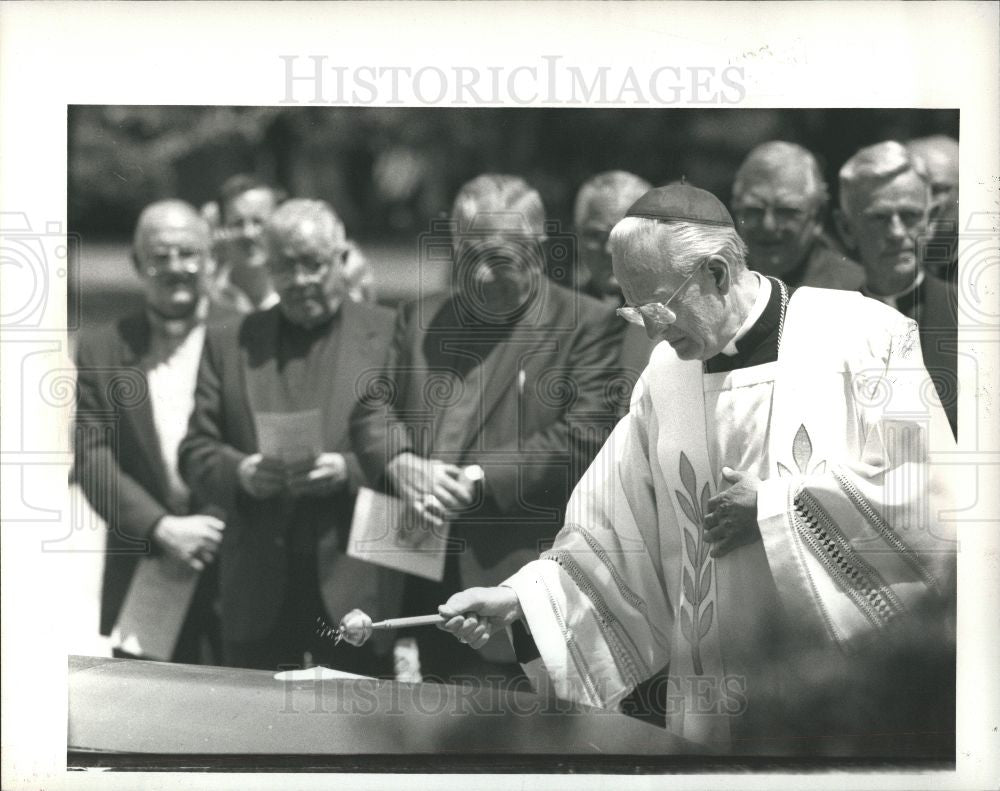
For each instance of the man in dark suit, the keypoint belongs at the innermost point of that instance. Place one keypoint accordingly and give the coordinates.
(600, 203)
(507, 374)
(779, 197)
(136, 384)
(885, 200)
(283, 553)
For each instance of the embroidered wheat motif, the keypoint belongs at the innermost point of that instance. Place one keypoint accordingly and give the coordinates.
(695, 621)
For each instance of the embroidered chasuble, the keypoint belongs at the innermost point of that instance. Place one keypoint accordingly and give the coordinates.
(840, 429)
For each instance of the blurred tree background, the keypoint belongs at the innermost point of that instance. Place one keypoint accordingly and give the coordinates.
(388, 171)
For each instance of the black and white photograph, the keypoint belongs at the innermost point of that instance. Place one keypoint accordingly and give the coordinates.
(443, 420)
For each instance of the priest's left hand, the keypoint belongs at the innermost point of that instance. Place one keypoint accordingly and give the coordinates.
(731, 520)
(323, 477)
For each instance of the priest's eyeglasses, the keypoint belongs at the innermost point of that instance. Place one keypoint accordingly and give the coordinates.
(657, 312)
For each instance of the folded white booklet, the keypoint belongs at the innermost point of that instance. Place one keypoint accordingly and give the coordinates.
(378, 521)
(155, 607)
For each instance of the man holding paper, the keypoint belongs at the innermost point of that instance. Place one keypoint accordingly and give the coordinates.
(496, 397)
(769, 521)
(135, 385)
(268, 441)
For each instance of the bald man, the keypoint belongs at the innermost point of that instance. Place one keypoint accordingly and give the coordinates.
(779, 197)
(283, 559)
(939, 154)
(136, 384)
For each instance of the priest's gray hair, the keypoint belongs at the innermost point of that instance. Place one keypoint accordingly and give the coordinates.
(681, 245)
(302, 215)
(498, 194)
(777, 155)
(612, 188)
(876, 164)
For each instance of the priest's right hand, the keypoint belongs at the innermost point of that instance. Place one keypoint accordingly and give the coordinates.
(261, 476)
(193, 540)
(432, 488)
(473, 615)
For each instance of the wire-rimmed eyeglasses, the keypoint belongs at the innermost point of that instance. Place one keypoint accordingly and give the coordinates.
(657, 312)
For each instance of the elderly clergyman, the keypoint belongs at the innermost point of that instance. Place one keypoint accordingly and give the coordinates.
(779, 197)
(885, 205)
(766, 507)
(289, 501)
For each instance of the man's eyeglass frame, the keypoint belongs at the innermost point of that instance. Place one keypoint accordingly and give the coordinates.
(658, 312)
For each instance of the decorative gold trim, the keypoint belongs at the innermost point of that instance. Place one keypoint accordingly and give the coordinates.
(860, 581)
(877, 521)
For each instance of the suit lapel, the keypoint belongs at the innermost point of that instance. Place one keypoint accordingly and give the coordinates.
(504, 373)
(351, 355)
(258, 350)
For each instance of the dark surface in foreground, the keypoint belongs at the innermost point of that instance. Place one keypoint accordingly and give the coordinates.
(151, 708)
(497, 764)
(150, 716)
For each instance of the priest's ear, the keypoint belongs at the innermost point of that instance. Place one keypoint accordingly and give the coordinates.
(718, 268)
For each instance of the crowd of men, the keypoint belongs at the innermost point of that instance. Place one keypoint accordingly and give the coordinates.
(794, 524)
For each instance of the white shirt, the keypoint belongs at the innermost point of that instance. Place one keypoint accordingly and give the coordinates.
(172, 377)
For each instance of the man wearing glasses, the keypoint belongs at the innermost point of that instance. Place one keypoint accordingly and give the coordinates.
(136, 383)
(764, 521)
(779, 197)
(289, 492)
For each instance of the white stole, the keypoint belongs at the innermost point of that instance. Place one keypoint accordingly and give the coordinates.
(696, 666)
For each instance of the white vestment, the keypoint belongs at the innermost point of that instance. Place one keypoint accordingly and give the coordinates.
(840, 429)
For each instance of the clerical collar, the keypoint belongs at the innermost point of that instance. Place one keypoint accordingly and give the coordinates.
(174, 330)
(760, 303)
(314, 328)
(757, 341)
(894, 300)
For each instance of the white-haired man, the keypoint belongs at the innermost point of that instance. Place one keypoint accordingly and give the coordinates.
(766, 504)
(885, 202)
(283, 555)
(506, 372)
(779, 196)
